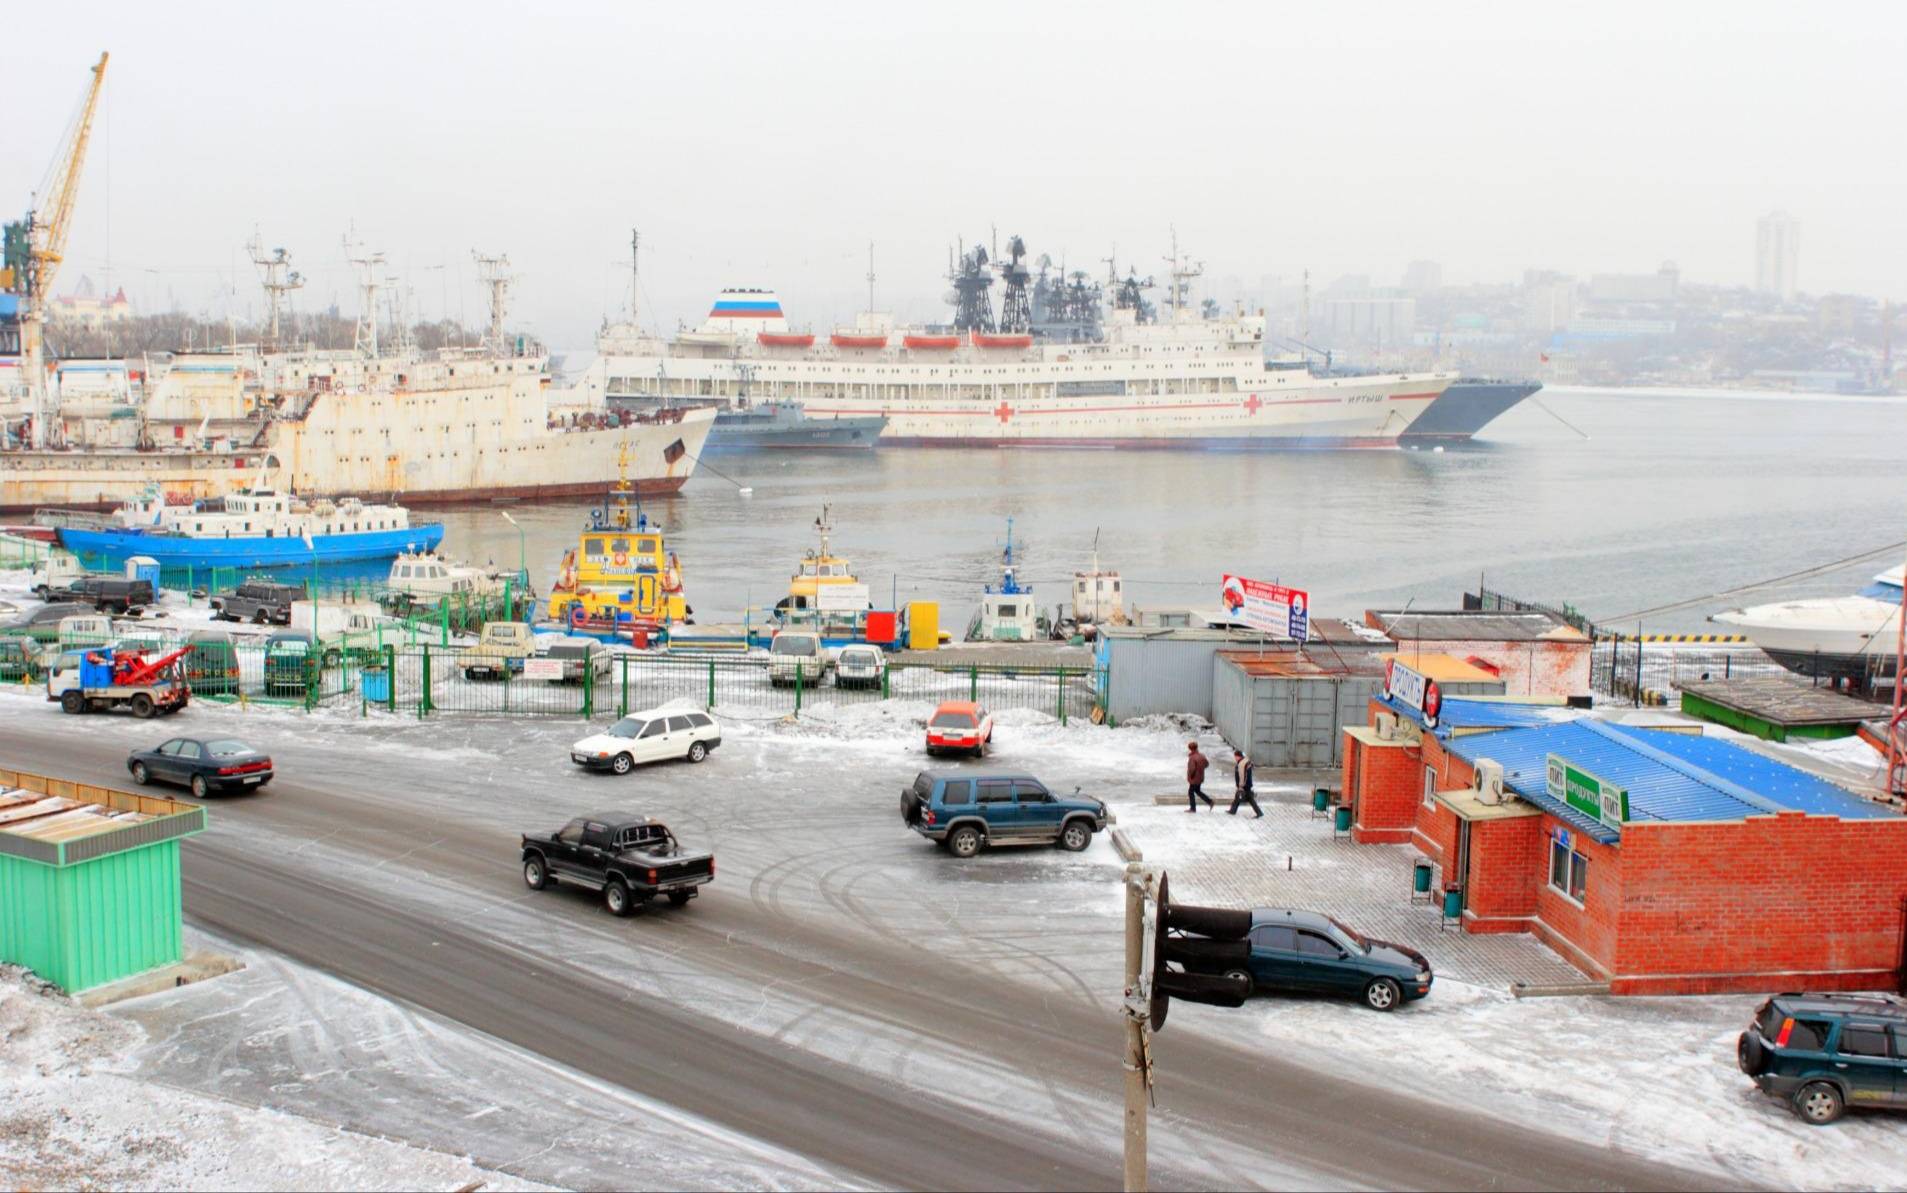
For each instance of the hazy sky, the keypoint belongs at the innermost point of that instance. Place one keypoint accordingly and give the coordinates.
(767, 145)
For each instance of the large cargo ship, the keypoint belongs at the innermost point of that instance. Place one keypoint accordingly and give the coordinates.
(1463, 410)
(1185, 378)
(453, 426)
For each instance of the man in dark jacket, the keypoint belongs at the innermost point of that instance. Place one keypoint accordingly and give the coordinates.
(1241, 778)
(1195, 764)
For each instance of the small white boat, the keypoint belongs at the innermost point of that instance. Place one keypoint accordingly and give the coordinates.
(1008, 613)
(1828, 637)
(423, 578)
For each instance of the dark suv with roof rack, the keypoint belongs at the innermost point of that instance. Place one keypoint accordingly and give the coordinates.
(1822, 1053)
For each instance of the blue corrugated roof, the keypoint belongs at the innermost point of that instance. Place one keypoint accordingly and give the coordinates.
(1474, 714)
(1670, 776)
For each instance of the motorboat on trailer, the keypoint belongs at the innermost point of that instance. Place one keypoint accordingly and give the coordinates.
(1829, 638)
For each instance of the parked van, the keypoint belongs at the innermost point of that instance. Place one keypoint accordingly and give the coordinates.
(798, 653)
(85, 629)
(57, 570)
(212, 667)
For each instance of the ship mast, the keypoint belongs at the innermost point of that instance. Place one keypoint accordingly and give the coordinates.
(494, 272)
(635, 274)
(280, 279)
(1184, 273)
(365, 342)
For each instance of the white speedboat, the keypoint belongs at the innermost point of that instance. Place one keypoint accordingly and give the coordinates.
(1835, 636)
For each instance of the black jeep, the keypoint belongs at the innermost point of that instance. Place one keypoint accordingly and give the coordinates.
(258, 601)
(630, 859)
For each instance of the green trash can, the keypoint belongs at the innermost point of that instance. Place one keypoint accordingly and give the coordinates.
(1342, 821)
(1320, 798)
(1420, 877)
(1453, 904)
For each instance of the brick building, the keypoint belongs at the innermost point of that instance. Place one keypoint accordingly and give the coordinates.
(1535, 654)
(1656, 860)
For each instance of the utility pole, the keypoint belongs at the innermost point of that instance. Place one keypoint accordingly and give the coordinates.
(1897, 724)
(494, 272)
(1134, 1007)
(280, 279)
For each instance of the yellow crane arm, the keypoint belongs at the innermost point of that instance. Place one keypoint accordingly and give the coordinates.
(55, 219)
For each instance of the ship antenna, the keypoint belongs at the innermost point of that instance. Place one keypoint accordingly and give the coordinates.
(870, 277)
(635, 275)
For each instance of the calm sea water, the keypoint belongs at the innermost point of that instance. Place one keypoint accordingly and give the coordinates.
(1672, 495)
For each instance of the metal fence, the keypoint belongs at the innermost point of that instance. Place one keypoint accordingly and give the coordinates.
(19, 553)
(424, 679)
(1641, 672)
(1488, 601)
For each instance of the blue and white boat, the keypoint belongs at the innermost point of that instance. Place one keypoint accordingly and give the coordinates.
(252, 528)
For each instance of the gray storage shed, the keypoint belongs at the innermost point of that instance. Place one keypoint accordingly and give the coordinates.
(1289, 709)
(1153, 669)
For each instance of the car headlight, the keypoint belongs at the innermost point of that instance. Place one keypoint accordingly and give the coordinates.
(1422, 977)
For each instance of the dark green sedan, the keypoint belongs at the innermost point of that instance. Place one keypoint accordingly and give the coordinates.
(1309, 951)
(204, 764)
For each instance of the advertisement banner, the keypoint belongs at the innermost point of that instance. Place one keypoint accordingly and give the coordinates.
(1414, 689)
(1595, 798)
(542, 668)
(1269, 607)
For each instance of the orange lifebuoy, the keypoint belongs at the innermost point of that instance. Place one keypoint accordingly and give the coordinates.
(622, 559)
(576, 615)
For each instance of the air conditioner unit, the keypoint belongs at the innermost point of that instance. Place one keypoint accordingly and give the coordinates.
(1489, 782)
(1387, 726)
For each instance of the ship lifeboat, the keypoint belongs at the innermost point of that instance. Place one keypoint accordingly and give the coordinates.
(927, 341)
(851, 339)
(784, 339)
(1018, 340)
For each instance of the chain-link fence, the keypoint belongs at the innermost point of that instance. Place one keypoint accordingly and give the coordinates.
(20, 553)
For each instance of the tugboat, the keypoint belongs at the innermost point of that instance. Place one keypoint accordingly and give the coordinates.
(823, 594)
(1008, 613)
(1098, 599)
(620, 583)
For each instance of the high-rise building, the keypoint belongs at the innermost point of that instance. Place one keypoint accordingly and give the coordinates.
(1777, 254)
(1421, 277)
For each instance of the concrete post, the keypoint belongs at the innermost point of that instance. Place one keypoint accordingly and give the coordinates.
(1135, 1128)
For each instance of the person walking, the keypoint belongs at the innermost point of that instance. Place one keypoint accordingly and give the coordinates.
(1195, 764)
(1241, 780)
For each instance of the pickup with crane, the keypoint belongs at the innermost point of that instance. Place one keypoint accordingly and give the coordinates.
(100, 678)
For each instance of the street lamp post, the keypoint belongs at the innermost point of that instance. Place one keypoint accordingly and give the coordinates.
(522, 565)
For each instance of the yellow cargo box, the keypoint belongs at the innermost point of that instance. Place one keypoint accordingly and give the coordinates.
(923, 625)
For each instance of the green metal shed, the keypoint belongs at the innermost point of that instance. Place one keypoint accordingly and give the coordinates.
(89, 879)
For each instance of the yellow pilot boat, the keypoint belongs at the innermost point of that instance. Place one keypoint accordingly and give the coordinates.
(620, 581)
(823, 580)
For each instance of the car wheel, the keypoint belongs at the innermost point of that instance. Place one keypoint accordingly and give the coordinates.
(534, 875)
(623, 764)
(964, 841)
(259, 617)
(679, 898)
(1076, 836)
(199, 786)
(698, 751)
(1243, 976)
(72, 702)
(1818, 1103)
(1382, 995)
(616, 898)
(1751, 1057)
(140, 774)
(141, 705)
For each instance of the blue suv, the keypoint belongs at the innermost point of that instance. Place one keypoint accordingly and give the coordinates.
(1826, 1053)
(966, 812)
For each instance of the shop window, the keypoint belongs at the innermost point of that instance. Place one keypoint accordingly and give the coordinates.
(1568, 871)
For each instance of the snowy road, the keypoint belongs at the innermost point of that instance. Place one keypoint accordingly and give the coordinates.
(844, 994)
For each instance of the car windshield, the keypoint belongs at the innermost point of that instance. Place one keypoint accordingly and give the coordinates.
(627, 727)
(1351, 937)
(227, 748)
(858, 657)
(953, 720)
(799, 647)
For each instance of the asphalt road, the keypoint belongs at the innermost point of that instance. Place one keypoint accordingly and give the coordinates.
(1261, 1119)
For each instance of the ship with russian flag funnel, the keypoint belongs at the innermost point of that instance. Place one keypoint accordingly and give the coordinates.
(746, 311)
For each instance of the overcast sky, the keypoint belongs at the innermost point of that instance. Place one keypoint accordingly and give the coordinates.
(767, 145)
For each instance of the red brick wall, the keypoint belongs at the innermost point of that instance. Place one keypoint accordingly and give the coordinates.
(1388, 784)
(1585, 935)
(1500, 889)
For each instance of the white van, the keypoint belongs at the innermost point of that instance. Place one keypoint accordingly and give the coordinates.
(85, 629)
(652, 736)
(57, 570)
(800, 651)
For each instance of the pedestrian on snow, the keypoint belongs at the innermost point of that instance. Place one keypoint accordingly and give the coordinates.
(1195, 764)
(1241, 780)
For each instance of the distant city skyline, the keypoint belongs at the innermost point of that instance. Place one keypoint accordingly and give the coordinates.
(755, 145)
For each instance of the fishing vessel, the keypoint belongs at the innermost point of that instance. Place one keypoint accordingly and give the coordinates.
(378, 420)
(1098, 599)
(250, 528)
(1145, 379)
(620, 582)
(1837, 637)
(1008, 613)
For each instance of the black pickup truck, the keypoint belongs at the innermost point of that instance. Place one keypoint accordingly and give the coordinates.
(257, 601)
(630, 859)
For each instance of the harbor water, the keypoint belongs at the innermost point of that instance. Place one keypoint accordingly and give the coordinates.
(1672, 495)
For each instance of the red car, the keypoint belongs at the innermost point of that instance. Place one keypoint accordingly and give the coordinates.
(959, 726)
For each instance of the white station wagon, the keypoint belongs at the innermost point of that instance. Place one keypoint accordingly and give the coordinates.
(653, 736)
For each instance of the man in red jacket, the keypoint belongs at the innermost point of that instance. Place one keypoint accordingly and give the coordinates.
(1195, 764)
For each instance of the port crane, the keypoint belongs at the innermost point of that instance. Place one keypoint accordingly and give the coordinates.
(36, 246)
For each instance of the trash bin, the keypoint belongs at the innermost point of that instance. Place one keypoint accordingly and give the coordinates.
(1342, 822)
(1453, 904)
(1420, 877)
(376, 684)
(1320, 798)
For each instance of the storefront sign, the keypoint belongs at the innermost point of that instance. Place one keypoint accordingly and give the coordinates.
(1595, 798)
(1415, 689)
(1270, 607)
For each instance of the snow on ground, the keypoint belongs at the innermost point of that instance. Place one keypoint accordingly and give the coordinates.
(72, 1115)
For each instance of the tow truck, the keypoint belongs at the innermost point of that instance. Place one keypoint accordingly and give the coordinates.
(107, 678)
